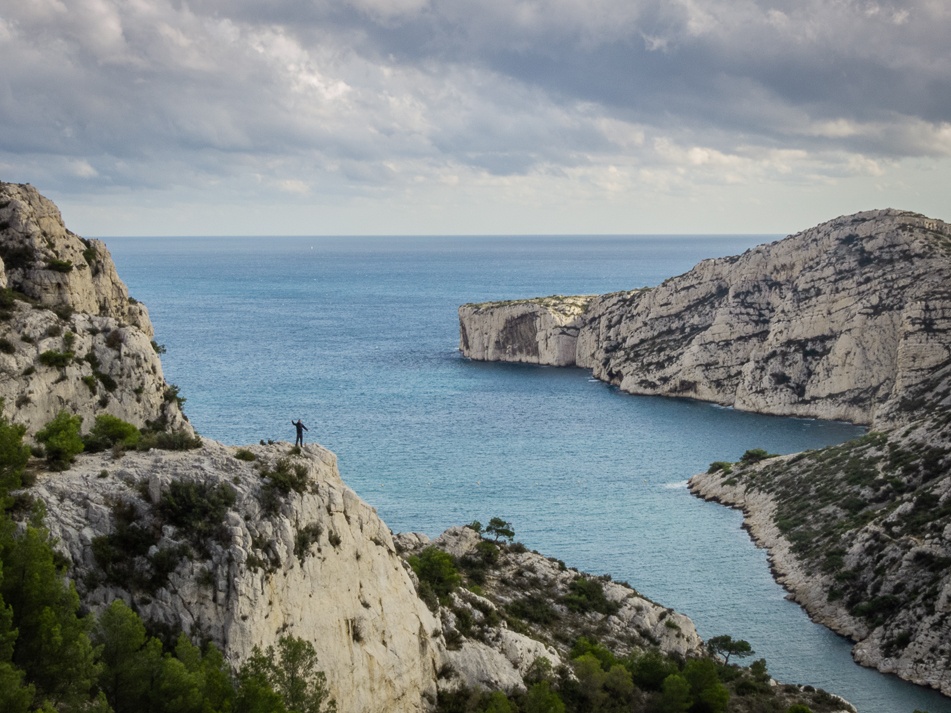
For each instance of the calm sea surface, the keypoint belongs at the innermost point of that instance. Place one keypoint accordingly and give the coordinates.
(358, 337)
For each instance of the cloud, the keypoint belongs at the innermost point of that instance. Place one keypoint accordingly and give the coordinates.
(366, 98)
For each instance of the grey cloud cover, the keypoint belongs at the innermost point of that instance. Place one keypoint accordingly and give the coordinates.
(155, 116)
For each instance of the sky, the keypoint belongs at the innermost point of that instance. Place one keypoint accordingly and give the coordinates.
(391, 117)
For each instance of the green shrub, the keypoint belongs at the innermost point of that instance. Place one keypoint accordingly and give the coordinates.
(280, 481)
(437, 569)
(122, 555)
(109, 431)
(755, 455)
(721, 465)
(245, 454)
(114, 339)
(198, 510)
(59, 265)
(7, 298)
(14, 455)
(17, 256)
(56, 359)
(90, 255)
(533, 608)
(171, 394)
(62, 440)
(500, 529)
(587, 595)
(305, 538)
(168, 441)
(107, 381)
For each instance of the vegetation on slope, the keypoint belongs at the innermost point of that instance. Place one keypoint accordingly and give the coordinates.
(606, 670)
(870, 518)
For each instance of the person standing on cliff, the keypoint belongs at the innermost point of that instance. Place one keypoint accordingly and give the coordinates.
(299, 425)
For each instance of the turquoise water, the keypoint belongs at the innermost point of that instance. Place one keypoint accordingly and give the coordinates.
(358, 337)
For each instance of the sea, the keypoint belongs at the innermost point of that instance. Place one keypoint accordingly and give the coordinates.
(359, 336)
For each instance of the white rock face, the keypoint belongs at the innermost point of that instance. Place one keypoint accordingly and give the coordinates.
(313, 562)
(347, 592)
(849, 320)
(71, 337)
(539, 331)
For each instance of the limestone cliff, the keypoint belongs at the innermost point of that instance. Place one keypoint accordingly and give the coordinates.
(241, 552)
(537, 331)
(848, 320)
(240, 546)
(70, 336)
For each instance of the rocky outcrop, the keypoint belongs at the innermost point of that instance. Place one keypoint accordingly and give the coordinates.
(70, 336)
(536, 331)
(528, 590)
(241, 546)
(849, 320)
(860, 534)
(310, 560)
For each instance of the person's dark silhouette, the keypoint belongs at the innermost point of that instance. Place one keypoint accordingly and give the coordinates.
(298, 424)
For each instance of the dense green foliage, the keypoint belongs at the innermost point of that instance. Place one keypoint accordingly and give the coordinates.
(109, 431)
(598, 681)
(198, 510)
(14, 454)
(500, 529)
(586, 594)
(279, 482)
(56, 359)
(437, 574)
(62, 440)
(726, 647)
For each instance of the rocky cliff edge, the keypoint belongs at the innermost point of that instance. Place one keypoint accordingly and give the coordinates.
(849, 320)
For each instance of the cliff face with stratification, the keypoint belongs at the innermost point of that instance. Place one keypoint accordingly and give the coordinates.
(848, 320)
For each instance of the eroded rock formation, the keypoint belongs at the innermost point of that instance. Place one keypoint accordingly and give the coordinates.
(314, 562)
(239, 546)
(70, 336)
(848, 320)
